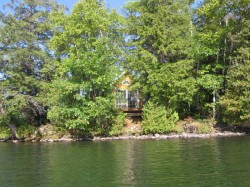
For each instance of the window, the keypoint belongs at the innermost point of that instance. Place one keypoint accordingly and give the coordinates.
(126, 82)
(133, 99)
(126, 99)
(121, 99)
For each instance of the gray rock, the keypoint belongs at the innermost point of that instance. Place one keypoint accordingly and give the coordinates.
(157, 135)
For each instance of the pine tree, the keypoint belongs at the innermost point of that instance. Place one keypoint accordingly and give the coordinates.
(24, 33)
(160, 41)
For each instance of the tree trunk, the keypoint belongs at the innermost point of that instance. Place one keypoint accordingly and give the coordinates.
(214, 101)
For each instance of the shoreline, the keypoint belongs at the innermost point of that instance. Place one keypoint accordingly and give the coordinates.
(131, 137)
(170, 136)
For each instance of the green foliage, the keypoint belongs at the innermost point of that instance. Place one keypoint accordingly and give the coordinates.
(160, 41)
(158, 119)
(117, 124)
(200, 126)
(20, 110)
(230, 26)
(210, 82)
(190, 65)
(159, 29)
(236, 101)
(205, 129)
(5, 132)
(218, 24)
(172, 84)
(24, 32)
(89, 45)
(25, 131)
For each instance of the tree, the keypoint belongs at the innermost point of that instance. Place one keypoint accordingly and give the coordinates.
(24, 33)
(210, 54)
(160, 41)
(235, 103)
(218, 23)
(88, 43)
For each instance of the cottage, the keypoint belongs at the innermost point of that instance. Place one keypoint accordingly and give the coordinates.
(128, 99)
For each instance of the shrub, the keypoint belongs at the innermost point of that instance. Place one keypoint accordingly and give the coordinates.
(204, 129)
(158, 119)
(117, 125)
(25, 131)
(5, 132)
(91, 118)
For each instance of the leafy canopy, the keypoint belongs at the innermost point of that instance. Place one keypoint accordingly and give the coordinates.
(88, 43)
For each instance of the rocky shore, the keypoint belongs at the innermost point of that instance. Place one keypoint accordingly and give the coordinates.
(132, 137)
(170, 136)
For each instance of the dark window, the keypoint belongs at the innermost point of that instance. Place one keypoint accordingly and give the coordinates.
(125, 82)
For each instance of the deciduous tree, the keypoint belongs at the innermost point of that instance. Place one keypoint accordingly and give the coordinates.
(88, 42)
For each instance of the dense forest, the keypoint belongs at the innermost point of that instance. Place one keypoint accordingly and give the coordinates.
(60, 68)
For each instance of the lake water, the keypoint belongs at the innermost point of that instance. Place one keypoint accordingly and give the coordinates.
(190, 162)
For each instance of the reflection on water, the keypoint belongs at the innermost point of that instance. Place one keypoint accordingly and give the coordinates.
(192, 162)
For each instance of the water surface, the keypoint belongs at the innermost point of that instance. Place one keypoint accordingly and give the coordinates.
(191, 162)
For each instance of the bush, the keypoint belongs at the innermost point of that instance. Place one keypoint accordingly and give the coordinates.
(5, 133)
(205, 129)
(117, 125)
(158, 119)
(25, 131)
(91, 118)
